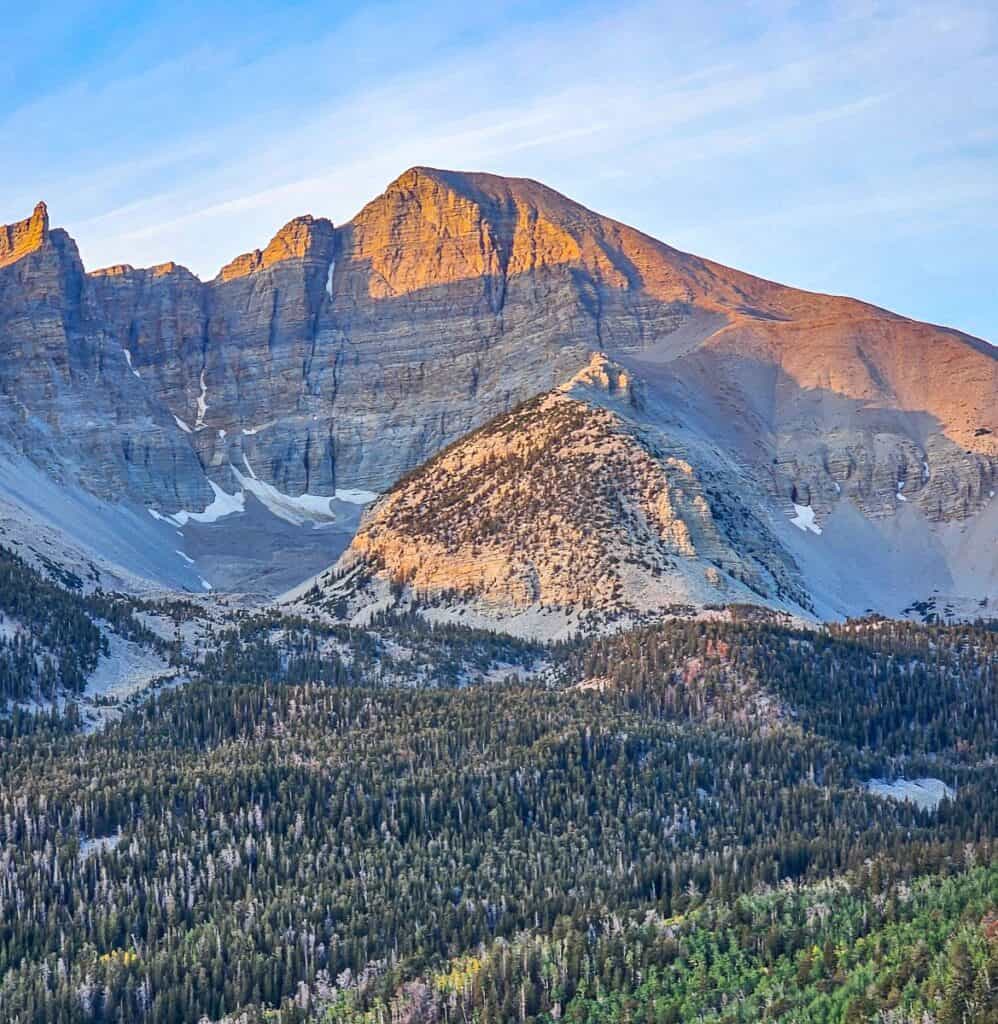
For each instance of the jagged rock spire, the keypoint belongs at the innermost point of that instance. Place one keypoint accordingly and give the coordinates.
(24, 236)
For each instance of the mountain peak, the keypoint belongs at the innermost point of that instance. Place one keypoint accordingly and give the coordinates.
(299, 239)
(415, 177)
(302, 238)
(24, 236)
(483, 188)
(758, 410)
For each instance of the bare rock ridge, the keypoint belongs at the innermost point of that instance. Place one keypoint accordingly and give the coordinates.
(69, 401)
(342, 358)
(576, 504)
(304, 238)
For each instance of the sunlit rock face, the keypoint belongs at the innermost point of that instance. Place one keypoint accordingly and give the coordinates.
(344, 357)
(24, 237)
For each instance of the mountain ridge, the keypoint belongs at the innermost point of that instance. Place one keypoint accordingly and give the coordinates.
(595, 507)
(574, 511)
(338, 358)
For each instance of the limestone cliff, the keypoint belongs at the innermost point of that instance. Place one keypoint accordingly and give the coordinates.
(26, 236)
(67, 396)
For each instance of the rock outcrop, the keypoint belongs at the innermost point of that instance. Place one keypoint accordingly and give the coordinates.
(26, 236)
(571, 504)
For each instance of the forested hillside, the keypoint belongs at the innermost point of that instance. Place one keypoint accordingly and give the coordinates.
(887, 686)
(47, 640)
(53, 632)
(867, 948)
(640, 809)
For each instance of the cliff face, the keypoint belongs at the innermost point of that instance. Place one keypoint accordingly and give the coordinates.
(344, 357)
(25, 236)
(69, 400)
(863, 406)
(232, 358)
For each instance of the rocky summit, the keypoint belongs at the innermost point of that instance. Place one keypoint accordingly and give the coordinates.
(566, 418)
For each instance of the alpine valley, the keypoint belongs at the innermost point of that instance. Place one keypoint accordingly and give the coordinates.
(481, 611)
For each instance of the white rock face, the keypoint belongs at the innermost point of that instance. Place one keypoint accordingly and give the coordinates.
(927, 793)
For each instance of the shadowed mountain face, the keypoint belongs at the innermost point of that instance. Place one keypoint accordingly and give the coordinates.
(69, 401)
(341, 358)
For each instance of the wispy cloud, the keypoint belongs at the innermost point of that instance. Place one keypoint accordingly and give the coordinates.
(797, 140)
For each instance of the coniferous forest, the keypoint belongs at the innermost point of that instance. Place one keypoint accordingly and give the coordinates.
(669, 824)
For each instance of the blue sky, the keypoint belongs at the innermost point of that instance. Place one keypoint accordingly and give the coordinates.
(849, 147)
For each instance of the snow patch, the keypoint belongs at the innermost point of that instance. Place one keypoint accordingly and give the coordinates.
(926, 793)
(128, 359)
(221, 505)
(186, 558)
(296, 510)
(292, 509)
(221, 435)
(329, 278)
(900, 496)
(183, 426)
(202, 404)
(804, 519)
(89, 847)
